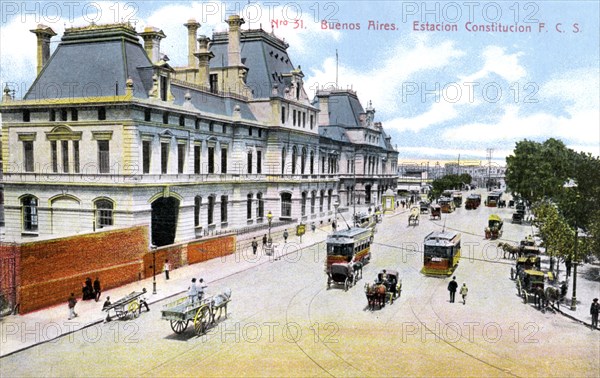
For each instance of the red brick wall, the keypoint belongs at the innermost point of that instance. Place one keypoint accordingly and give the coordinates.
(203, 250)
(51, 270)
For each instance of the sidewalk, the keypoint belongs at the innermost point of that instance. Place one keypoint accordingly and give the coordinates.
(19, 332)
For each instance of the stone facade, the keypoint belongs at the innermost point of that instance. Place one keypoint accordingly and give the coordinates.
(110, 135)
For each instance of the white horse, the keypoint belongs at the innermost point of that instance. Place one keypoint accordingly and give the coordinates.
(219, 302)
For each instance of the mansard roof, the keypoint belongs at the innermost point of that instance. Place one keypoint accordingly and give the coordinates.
(207, 102)
(265, 56)
(94, 61)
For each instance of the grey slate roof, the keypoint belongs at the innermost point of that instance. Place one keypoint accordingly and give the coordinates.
(264, 55)
(208, 102)
(95, 68)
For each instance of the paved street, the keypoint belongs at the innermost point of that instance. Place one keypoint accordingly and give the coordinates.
(283, 321)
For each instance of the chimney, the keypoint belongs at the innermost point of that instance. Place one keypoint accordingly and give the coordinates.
(44, 34)
(204, 56)
(152, 37)
(192, 27)
(233, 53)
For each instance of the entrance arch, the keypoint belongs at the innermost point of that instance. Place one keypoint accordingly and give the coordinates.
(165, 211)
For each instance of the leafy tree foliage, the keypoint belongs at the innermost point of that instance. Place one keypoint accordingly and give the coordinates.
(449, 182)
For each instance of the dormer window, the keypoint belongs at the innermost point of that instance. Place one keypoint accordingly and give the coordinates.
(147, 115)
(197, 124)
(181, 120)
(52, 115)
(101, 113)
(63, 114)
(26, 116)
(163, 88)
(74, 115)
(166, 117)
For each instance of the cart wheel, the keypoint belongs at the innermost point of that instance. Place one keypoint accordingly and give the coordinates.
(346, 284)
(201, 320)
(178, 326)
(133, 308)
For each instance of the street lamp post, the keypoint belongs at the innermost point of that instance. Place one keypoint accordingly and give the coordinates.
(153, 247)
(269, 219)
(336, 204)
(571, 184)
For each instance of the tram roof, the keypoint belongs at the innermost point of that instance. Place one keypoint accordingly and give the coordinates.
(347, 233)
(442, 238)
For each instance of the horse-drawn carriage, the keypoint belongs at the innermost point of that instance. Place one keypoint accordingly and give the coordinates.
(436, 212)
(457, 198)
(447, 204)
(202, 312)
(494, 228)
(413, 218)
(473, 201)
(344, 274)
(531, 285)
(126, 307)
(386, 288)
(423, 207)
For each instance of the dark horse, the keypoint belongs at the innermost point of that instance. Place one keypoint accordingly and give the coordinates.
(375, 295)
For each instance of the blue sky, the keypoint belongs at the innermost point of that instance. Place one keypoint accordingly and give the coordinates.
(438, 93)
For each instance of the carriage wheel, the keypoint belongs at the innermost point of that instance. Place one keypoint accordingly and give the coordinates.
(178, 326)
(328, 283)
(346, 284)
(201, 320)
(133, 308)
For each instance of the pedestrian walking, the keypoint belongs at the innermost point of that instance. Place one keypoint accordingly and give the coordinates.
(254, 245)
(594, 309)
(313, 227)
(143, 301)
(285, 235)
(333, 226)
(193, 291)
(201, 289)
(97, 289)
(105, 308)
(452, 287)
(166, 268)
(72, 301)
(463, 292)
(264, 240)
(568, 266)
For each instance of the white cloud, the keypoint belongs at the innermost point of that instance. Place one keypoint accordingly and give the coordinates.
(452, 153)
(580, 125)
(384, 83)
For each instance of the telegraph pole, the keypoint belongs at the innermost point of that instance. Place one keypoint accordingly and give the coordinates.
(490, 151)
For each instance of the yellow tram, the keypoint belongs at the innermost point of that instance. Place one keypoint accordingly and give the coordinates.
(350, 245)
(441, 253)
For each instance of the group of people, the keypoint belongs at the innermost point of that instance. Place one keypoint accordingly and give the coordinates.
(453, 287)
(196, 290)
(91, 291)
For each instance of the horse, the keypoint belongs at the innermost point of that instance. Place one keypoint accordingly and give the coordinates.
(375, 295)
(513, 251)
(357, 268)
(555, 295)
(219, 302)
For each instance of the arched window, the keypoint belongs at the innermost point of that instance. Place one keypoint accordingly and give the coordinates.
(211, 210)
(283, 161)
(313, 199)
(104, 213)
(294, 156)
(303, 161)
(197, 206)
(260, 206)
(329, 197)
(286, 205)
(321, 200)
(303, 207)
(249, 206)
(29, 205)
(224, 201)
(312, 162)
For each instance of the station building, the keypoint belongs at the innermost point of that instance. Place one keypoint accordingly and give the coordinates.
(110, 135)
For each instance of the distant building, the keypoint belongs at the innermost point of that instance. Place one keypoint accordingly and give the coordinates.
(111, 135)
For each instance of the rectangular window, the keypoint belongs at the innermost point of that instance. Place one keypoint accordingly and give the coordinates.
(76, 156)
(211, 160)
(214, 83)
(54, 152)
(283, 115)
(26, 116)
(146, 156)
(197, 151)
(223, 160)
(101, 114)
(260, 133)
(259, 162)
(63, 114)
(74, 115)
(303, 119)
(165, 117)
(181, 121)
(52, 115)
(65, 155)
(211, 127)
(224, 129)
(260, 210)
(197, 124)
(197, 204)
(147, 115)
(28, 154)
(164, 158)
(294, 117)
(312, 121)
(223, 209)
(180, 157)
(249, 131)
(163, 88)
(322, 164)
(249, 207)
(103, 157)
(249, 161)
